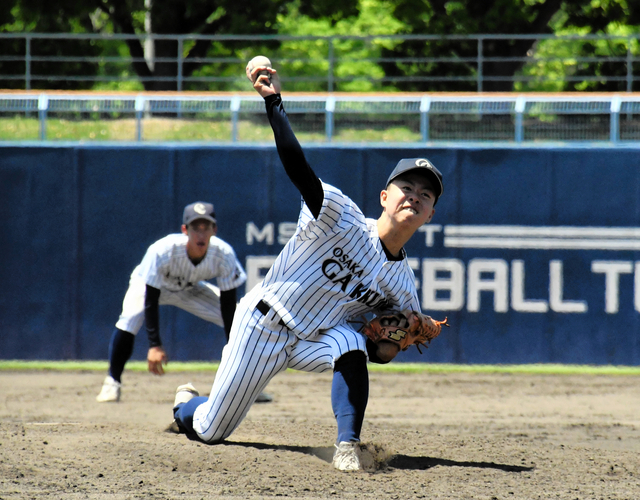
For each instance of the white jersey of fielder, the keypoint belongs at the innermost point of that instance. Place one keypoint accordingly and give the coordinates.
(334, 269)
(167, 266)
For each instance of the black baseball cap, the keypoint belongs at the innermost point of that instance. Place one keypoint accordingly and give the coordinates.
(198, 210)
(425, 167)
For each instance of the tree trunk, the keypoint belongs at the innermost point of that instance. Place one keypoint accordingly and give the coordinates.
(165, 66)
(503, 71)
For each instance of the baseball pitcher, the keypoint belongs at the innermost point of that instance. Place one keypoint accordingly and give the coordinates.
(336, 268)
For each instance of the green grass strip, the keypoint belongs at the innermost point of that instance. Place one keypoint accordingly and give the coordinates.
(532, 369)
(196, 366)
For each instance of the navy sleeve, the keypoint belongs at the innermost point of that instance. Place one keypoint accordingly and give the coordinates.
(152, 316)
(292, 157)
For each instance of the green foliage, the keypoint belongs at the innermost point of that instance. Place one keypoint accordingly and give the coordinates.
(357, 58)
(129, 17)
(555, 66)
(606, 17)
(371, 60)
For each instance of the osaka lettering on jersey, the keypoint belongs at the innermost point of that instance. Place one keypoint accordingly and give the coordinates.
(167, 266)
(334, 268)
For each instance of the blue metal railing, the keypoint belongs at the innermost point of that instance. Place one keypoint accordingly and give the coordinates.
(524, 111)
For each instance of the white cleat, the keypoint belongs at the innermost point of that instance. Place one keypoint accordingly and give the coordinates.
(185, 393)
(110, 392)
(347, 456)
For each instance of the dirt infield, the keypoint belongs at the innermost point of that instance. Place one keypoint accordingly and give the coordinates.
(444, 436)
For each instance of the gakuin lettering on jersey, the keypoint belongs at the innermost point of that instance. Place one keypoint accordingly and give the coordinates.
(341, 269)
(369, 297)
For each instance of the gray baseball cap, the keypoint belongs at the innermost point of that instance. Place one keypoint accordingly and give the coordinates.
(425, 167)
(198, 210)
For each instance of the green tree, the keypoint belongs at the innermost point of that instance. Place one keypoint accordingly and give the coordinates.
(21, 16)
(153, 17)
(620, 20)
(427, 61)
(356, 47)
(507, 57)
(375, 61)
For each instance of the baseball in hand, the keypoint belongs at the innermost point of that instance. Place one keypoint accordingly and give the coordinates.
(259, 61)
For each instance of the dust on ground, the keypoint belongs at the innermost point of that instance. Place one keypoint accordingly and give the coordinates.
(435, 436)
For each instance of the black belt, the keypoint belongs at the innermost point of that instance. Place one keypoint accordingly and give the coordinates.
(264, 308)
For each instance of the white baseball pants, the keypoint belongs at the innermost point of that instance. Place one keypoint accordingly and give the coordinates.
(202, 300)
(253, 356)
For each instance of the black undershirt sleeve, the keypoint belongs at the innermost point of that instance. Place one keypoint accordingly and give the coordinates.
(292, 157)
(152, 316)
(227, 309)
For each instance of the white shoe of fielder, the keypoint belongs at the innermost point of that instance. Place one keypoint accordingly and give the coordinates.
(110, 392)
(347, 456)
(185, 393)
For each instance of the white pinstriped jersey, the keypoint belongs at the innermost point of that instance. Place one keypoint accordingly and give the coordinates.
(334, 268)
(167, 266)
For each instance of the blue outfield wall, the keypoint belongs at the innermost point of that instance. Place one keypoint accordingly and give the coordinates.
(533, 254)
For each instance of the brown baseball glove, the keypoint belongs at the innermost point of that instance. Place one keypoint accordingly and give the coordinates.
(403, 329)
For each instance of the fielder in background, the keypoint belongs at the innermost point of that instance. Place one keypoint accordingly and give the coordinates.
(174, 272)
(337, 267)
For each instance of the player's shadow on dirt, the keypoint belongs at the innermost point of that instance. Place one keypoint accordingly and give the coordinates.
(396, 462)
(323, 453)
(423, 463)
